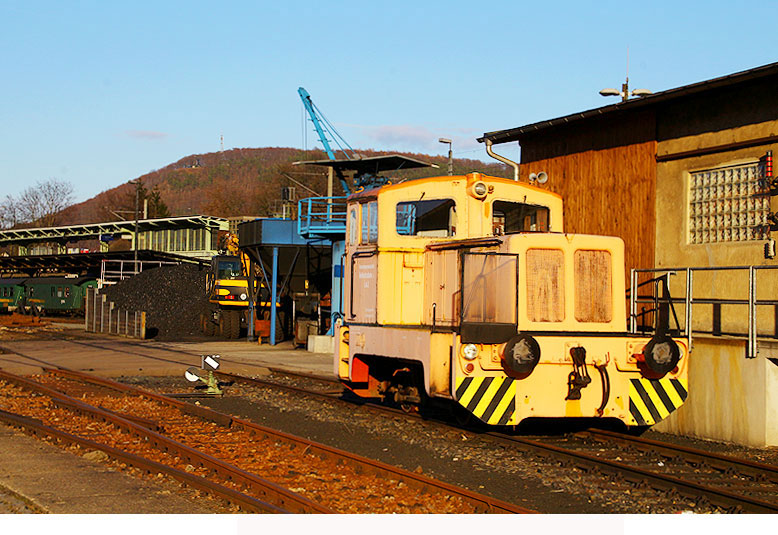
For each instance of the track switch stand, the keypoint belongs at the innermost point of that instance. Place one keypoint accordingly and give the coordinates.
(208, 363)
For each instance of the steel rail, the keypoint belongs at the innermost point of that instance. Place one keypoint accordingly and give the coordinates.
(481, 503)
(715, 496)
(722, 462)
(38, 429)
(269, 491)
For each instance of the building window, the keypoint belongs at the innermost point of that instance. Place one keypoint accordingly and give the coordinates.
(728, 204)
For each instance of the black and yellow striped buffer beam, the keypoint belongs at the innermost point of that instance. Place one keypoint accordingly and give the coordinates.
(652, 400)
(491, 399)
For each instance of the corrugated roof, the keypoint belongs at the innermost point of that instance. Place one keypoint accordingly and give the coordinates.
(514, 134)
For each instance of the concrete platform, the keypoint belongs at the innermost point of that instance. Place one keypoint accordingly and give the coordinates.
(113, 356)
(57, 481)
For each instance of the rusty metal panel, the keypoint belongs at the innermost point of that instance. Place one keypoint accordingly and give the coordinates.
(593, 288)
(441, 288)
(545, 285)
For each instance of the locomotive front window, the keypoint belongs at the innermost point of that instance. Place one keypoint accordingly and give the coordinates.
(489, 307)
(512, 217)
(433, 218)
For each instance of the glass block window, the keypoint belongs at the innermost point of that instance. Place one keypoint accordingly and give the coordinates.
(728, 204)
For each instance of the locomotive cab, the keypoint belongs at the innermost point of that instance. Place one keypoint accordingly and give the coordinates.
(466, 289)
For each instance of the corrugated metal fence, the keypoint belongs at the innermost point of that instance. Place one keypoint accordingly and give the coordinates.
(103, 316)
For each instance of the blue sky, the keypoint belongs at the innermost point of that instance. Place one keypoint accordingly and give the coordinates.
(98, 93)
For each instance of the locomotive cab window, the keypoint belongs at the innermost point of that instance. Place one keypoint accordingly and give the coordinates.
(369, 223)
(430, 218)
(353, 228)
(512, 217)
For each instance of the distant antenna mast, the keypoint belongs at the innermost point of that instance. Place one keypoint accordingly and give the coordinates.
(222, 141)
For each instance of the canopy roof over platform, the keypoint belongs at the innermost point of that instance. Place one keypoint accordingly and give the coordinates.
(83, 263)
(70, 233)
(372, 165)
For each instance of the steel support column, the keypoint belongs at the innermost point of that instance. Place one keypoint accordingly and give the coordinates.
(250, 292)
(273, 297)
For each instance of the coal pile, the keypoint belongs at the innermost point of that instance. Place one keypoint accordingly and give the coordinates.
(173, 298)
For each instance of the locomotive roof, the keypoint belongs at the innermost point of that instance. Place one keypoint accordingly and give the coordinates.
(418, 182)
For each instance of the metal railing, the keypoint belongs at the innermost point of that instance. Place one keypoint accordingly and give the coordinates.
(103, 316)
(109, 273)
(661, 284)
(321, 215)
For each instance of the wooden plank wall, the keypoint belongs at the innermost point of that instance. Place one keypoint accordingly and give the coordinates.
(606, 174)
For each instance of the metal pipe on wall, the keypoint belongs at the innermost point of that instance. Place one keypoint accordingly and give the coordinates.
(503, 159)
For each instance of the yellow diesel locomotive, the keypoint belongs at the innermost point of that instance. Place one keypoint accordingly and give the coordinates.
(466, 289)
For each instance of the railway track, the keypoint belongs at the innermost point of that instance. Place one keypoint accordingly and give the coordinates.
(728, 483)
(695, 476)
(222, 454)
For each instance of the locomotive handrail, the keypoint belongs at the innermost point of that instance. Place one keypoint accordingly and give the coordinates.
(689, 300)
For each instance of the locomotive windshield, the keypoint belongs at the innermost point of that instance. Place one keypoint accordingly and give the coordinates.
(489, 308)
(512, 217)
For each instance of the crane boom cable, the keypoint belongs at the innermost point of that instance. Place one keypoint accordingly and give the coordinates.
(336, 137)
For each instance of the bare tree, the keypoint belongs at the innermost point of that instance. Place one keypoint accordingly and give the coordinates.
(41, 204)
(9, 212)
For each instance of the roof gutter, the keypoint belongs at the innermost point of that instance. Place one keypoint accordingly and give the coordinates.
(503, 159)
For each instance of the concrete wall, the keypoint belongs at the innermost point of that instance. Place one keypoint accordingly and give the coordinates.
(731, 398)
(672, 227)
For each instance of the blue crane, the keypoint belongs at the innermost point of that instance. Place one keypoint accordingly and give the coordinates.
(324, 127)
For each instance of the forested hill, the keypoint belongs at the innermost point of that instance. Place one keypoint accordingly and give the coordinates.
(241, 182)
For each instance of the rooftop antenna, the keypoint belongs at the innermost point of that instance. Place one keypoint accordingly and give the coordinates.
(625, 93)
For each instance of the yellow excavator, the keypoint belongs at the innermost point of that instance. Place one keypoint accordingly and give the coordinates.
(227, 288)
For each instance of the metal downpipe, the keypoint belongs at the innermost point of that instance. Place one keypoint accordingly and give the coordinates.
(503, 159)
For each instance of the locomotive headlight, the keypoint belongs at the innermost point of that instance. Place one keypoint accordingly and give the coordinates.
(243, 297)
(479, 190)
(470, 351)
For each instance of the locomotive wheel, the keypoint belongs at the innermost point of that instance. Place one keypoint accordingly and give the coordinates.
(461, 415)
(408, 408)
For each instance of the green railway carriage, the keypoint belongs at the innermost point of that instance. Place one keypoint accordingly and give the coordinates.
(11, 293)
(55, 294)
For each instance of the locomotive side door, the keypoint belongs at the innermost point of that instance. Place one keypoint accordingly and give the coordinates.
(361, 277)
